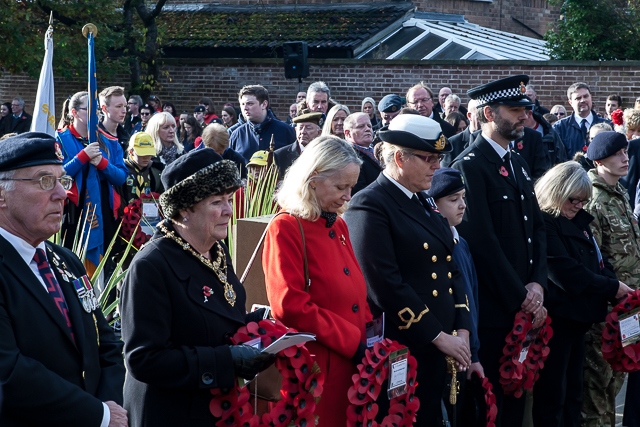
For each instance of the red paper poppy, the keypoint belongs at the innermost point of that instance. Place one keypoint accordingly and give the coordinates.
(520, 145)
(503, 171)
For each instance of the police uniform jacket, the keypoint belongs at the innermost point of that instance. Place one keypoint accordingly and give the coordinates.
(335, 307)
(405, 251)
(49, 380)
(176, 343)
(505, 231)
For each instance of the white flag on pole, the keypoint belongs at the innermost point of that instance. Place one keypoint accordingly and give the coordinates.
(44, 116)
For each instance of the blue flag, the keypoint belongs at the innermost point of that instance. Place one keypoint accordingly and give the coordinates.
(93, 236)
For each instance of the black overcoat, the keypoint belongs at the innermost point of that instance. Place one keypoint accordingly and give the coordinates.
(369, 171)
(47, 379)
(175, 342)
(579, 286)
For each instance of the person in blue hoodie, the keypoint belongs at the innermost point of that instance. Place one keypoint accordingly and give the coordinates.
(97, 170)
(260, 124)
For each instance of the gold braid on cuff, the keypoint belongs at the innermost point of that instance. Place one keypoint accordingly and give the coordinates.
(412, 319)
(464, 305)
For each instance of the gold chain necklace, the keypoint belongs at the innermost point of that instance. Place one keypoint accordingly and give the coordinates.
(219, 266)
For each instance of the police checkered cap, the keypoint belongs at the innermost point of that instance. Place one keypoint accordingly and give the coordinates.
(509, 91)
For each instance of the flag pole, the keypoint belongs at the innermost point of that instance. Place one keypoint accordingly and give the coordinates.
(44, 111)
(90, 31)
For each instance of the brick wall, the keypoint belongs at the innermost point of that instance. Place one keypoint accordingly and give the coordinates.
(350, 80)
(497, 14)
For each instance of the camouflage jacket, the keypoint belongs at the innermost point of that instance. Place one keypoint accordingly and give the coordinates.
(615, 228)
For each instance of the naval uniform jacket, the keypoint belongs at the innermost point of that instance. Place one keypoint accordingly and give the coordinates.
(175, 342)
(505, 231)
(48, 380)
(405, 251)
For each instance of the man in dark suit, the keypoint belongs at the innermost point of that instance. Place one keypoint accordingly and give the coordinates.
(60, 362)
(405, 247)
(461, 141)
(531, 148)
(308, 127)
(420, 98)
(504, 228)
(19, 121)
(359, 133)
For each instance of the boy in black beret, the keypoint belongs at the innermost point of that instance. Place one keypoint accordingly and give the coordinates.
(448, 192)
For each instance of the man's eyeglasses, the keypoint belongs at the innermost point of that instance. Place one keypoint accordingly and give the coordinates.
(132, 103)
(419, 101)
(576, 202)
(47, 182)
(145, 114)
(431, 159)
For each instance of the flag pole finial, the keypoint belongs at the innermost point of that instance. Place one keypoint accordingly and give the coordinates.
(89, 28)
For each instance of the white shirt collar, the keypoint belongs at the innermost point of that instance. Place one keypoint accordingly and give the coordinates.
(406, 192)
(24, 249)
(579, 119)
(497, 147)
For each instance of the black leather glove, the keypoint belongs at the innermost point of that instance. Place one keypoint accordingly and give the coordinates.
(255, 316)
(249, 361)
(357, 358)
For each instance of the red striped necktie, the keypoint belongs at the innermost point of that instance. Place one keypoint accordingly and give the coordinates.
(53, 287)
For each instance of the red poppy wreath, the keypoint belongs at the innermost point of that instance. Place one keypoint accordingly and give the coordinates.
(302, 384)
(372, 372)
(131, 220)
(627, 358)
(519, 370)
(489, 400)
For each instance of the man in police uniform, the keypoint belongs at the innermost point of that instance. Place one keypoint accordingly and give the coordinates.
(504, 228)
(404, 247)
(60, 362)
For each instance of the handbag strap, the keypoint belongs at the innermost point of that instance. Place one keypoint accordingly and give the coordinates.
(307, 279)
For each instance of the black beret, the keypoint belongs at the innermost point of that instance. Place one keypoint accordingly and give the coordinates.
(508, 91)
(390, 104)
(606, 144)
(417, 132)
(29, 149)
(446, 181)
(200, 109)
(195, 176)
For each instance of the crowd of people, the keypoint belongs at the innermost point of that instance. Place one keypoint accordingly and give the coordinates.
(444, 220)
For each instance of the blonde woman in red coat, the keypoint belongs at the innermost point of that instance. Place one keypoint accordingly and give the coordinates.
(316, 189)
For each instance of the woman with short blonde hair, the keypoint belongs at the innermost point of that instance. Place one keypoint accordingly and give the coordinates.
(216, 136)
(580, 283)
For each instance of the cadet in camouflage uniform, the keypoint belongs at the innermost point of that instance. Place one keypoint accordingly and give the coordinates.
(616, 232)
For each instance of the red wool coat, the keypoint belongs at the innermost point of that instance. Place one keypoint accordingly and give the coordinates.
(335, 308)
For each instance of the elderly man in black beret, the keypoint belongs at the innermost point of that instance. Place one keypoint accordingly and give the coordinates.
(60, 362)
(405, 250)
(504, 228)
